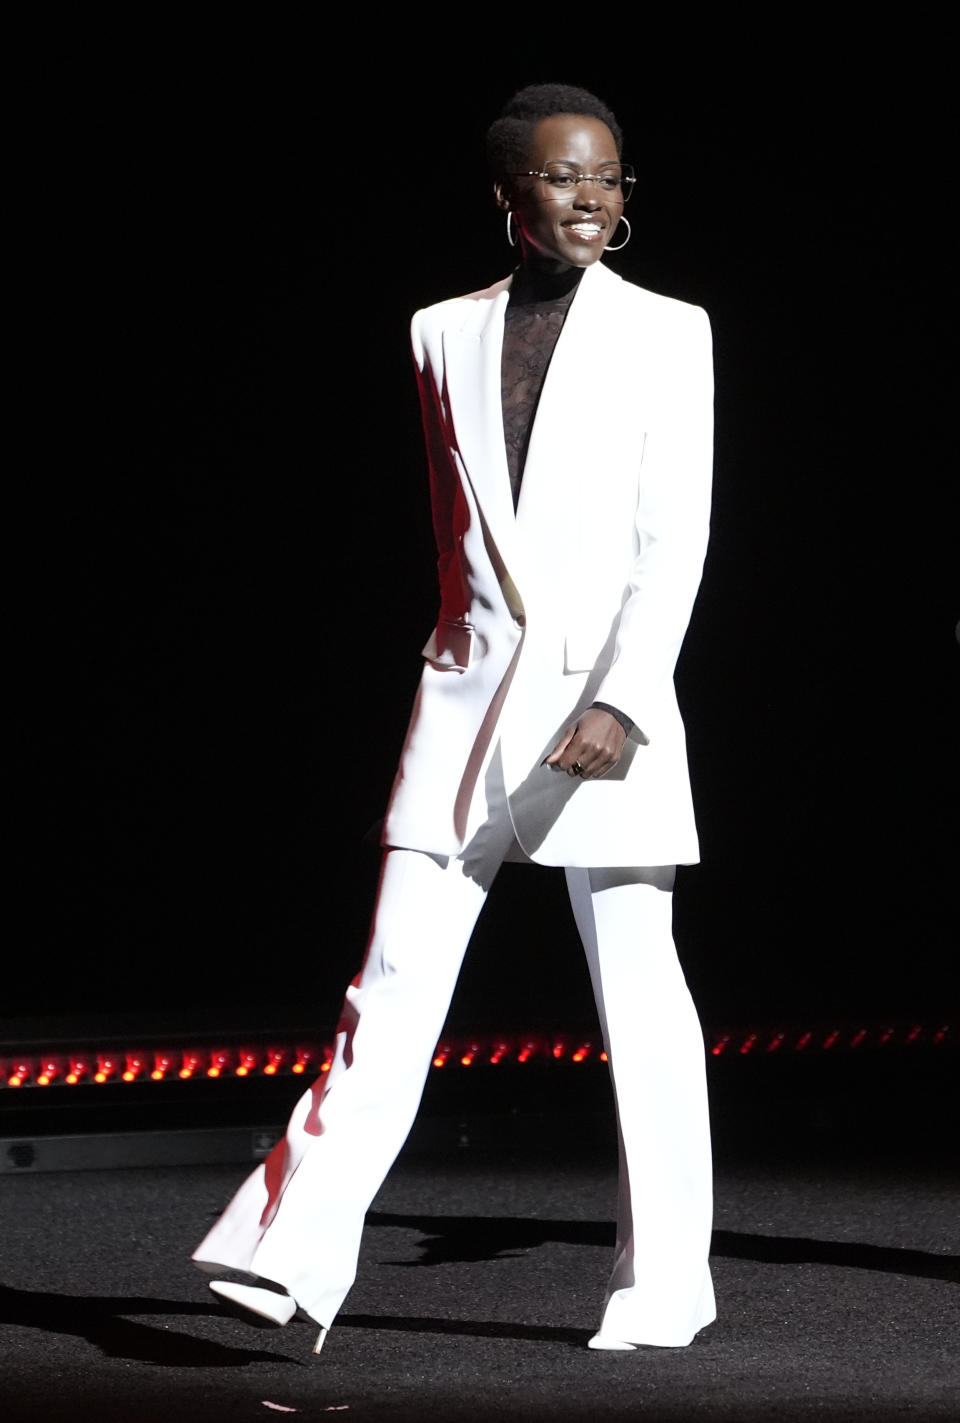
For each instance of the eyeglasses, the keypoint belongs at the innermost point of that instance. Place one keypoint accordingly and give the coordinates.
(563, 177)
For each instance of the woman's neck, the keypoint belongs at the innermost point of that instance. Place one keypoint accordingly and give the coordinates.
(543, 281)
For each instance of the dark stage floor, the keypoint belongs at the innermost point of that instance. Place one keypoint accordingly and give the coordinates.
(481, 1280)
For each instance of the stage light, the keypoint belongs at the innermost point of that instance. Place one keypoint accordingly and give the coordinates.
(306, 1058)
(135, 1065)
(220, 1061)
(79, 1069)
(163, 1062)
(45, 1068)
(108, 1065)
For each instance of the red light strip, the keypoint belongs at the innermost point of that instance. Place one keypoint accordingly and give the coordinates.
(134, 1064)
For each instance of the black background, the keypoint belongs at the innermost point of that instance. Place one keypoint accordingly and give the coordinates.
(219, 545)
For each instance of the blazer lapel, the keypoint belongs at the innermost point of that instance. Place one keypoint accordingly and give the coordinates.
(563, 450)
(472, 355)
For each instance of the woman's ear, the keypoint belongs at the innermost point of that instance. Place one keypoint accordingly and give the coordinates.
(503, 196)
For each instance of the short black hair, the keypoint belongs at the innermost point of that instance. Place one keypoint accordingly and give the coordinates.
(509, 137)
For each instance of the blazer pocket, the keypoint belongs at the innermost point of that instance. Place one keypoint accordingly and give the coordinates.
(449, 647)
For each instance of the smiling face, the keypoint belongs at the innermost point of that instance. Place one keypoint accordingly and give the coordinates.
(564, 228)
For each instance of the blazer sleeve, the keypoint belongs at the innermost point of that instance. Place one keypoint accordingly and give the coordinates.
(672, 525)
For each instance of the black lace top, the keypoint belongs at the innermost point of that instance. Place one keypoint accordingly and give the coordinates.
(538, 306)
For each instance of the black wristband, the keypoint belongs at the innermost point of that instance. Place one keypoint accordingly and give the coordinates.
(619, 716)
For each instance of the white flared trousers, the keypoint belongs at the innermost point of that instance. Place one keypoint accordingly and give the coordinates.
(297, 1220)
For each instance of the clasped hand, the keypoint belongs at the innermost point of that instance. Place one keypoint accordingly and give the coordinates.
(590, 747)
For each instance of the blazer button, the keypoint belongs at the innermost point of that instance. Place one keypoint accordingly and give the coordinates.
(521, 620)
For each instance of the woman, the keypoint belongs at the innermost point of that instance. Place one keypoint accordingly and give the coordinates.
(568, 420)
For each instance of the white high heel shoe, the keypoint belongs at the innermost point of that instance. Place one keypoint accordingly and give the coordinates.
(606, 1341)
(268, 1304)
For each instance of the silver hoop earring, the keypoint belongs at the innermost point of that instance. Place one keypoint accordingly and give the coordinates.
(621, 245)
(510, 237)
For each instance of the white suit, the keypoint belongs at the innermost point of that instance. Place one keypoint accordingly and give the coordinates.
(584, 595)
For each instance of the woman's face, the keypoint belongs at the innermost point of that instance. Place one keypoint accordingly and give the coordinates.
(567, 228)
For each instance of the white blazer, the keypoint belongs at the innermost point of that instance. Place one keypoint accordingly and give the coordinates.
(584, 595)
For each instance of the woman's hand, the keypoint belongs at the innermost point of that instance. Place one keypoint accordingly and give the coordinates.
(590, 747)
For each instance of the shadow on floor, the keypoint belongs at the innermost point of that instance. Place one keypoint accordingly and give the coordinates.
(472, 1238)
